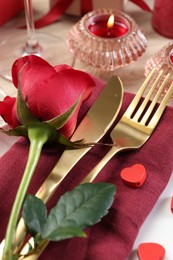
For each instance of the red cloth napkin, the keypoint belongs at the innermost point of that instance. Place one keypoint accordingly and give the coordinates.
(162, 19)
(113, 237)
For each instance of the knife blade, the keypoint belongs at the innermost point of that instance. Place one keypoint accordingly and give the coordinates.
(92, 128)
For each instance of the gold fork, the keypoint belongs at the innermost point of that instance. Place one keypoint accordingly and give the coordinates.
(133, 129)
(138, 122)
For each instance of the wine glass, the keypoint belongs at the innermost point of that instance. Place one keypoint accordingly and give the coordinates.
(28, 42)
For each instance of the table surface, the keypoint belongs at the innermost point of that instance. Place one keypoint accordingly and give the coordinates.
(158, 226)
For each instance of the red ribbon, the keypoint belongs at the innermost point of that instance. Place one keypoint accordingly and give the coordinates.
(54, 14)
(86, 6)
(142, 5)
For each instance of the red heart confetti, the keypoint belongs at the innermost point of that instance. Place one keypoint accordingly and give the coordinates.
(151, 251)
(134, 176)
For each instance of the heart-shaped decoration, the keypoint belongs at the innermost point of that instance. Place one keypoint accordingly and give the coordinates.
(151, 251)
(134, 176)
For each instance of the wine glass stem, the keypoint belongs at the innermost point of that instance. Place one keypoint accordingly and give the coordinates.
(32, 46)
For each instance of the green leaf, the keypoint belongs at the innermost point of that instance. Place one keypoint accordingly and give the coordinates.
(17, 131)
(34, 214)
(60, 120)
(66, 232)
(61, 139)
(82, 207)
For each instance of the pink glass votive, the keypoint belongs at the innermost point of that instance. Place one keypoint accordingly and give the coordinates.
(93, 42)
(162, 60)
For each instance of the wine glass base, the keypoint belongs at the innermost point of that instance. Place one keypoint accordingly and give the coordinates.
(51, 48)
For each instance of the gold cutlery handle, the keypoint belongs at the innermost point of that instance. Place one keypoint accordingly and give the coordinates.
(95, 171)
(59, 172)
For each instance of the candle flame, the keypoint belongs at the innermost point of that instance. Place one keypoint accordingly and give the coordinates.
(110, 22)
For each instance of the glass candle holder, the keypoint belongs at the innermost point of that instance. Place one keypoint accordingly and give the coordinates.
(93, 41)
(162, 60)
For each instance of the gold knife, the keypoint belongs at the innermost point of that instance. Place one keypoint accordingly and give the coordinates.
(93, 127)
(95, 124)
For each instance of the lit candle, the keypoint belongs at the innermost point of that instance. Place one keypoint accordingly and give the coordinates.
(108, 26)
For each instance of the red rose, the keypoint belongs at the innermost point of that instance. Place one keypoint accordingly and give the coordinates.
(49, 91)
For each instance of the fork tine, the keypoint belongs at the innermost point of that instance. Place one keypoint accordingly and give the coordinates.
(138, 96)
(161, 107)
(154, 101)
(148, 97)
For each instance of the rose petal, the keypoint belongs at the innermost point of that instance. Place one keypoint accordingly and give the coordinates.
(50, 91)
(6, 107)
(60, 92)
(61, 67)
(35, 71)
